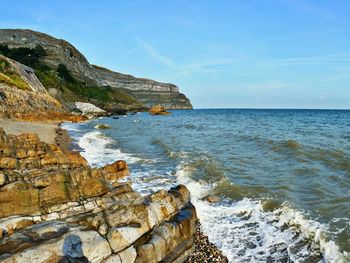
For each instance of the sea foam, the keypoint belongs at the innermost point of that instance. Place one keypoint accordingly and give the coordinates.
(97, 149)
(241, 229)
(247, 233)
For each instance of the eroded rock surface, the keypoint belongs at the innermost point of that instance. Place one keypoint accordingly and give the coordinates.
(55, 208)
(32, 106)
(58, 51)
(89, 109)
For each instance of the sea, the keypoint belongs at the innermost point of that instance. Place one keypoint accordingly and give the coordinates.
(283, 176)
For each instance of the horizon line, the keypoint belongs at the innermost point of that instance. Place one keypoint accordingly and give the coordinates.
(262, 108)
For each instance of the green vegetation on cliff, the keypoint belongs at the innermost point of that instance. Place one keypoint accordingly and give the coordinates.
(61, 84)
(27, 56)
(71, 90)
(9, 76)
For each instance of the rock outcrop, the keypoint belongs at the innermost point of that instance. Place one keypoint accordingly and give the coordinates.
(61, 52)
(158, 110)
(32, 106)
(26, 74)
(56, 208)
(115, 79)
(89, 109)
(58, 51)
(23, 97)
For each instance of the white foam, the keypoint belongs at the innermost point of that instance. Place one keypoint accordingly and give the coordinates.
(240, 229)
(97, 151)
(70, 126)
(245, 233)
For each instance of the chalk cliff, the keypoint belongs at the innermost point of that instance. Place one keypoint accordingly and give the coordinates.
(59, 51)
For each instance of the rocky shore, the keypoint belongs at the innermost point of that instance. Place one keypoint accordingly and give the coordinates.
(56, 208)
(204, 251)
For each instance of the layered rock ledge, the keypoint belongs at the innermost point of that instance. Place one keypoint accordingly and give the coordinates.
(55, 208)
(59, 51)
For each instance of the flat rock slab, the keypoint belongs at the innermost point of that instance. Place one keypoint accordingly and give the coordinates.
(46, 131)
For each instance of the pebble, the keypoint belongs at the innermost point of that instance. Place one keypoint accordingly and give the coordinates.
(205, 251)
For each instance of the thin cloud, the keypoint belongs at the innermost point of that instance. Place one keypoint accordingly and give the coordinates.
(311, 60)
(205, 65)
(127, 53)
(183, 69)
(153, 52)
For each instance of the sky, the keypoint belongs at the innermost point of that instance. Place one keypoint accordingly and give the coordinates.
(221, 54)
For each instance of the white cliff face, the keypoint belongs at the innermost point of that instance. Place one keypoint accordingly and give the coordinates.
(118, 80)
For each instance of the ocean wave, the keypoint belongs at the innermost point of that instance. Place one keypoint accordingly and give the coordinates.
(168, 152)
(288, 144)
(245, 228)
(202, 165)
(335, 159)
(253, 230)
(97, 150)
(70, 126)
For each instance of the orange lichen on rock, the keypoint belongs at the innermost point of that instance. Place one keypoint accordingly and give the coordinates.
(50, 198)
(115, 171)
(35, 174)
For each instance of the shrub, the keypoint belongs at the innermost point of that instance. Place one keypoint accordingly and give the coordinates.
(27, 56)
(64, 73)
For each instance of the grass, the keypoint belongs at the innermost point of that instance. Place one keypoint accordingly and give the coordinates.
(74, 90)
(9, 76)
(70, 89)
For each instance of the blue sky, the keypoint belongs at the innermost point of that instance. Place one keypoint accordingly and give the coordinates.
(222, 54)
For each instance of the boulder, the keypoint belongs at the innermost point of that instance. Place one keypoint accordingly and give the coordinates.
(212, 199)
(115, 171)
(89, 108)
(158, 110)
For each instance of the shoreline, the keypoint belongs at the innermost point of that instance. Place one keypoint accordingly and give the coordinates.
(203, 250)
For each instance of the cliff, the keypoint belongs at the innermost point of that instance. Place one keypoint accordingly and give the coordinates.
(56, 208)
(23, 97)
(11, 70)
(59, 52)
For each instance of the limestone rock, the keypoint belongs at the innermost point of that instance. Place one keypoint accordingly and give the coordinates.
(37, 175)
(103, 126)
(115, 171)
(128, 255)
(89, 108)
(74, 245)
(35, 106)
(57, 209)
(59, 52)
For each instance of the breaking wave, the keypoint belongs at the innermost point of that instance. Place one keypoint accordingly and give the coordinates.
(98, 149)
(252, 230)
(246, 227)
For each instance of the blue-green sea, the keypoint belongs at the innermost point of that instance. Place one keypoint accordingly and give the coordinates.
(283, 175)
